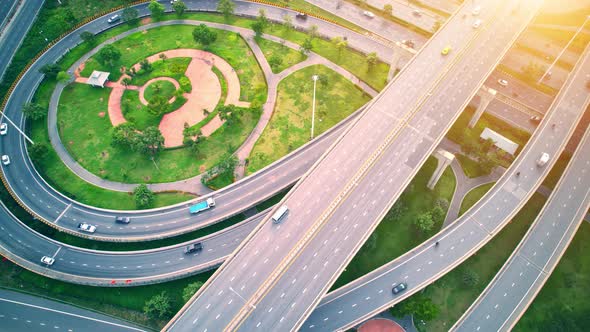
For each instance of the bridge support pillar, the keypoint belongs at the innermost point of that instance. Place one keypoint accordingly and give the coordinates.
(486, 95)
(399, 50)
(444, 159)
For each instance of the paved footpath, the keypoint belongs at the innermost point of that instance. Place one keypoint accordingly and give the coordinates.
(193, 185)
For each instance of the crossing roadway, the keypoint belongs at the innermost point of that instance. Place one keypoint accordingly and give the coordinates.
(278, 275)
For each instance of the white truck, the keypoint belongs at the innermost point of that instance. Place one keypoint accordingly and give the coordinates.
(543, 159)
(281, 212)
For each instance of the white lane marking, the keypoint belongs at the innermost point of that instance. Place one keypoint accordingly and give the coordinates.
(70, 314)
(58, 249)
(62, 213)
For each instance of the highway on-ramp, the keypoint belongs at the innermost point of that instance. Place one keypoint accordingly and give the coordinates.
(281, 271)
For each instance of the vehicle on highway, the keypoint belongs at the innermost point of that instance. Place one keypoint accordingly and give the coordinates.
(114, 18)
(280, 214)
(47, 260)
(368, 14)
(543, 159)
(193, 247)
(476, 24)
(3, 128)
(408, 43)
(535, 118)
(445, 50)
(202, 206)
(301, 16)
(5, 160)
(476, 10)
(122, 220)
(503, 82)
(399, 288)
(417, 12)
(86, 227)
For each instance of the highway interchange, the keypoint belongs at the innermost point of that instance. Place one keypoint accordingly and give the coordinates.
(107, 216)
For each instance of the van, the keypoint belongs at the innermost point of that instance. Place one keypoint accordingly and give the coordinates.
(281, 212)
(543, 159)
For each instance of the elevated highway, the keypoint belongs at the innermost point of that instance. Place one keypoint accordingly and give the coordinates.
(281, 271)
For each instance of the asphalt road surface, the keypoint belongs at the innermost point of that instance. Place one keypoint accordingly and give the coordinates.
(5, 9)
(277, 283)
(510, 293)
(21, 312)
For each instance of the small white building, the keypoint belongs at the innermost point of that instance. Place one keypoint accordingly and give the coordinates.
(500, 141)
(98, 78)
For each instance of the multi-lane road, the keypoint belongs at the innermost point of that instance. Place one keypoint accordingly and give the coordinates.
(282, 270)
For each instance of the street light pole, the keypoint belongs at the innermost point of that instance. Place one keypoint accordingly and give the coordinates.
(243, 299)
(563, 50)
(315, 79)
(16, 127)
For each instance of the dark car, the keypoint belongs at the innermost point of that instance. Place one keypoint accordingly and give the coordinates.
(123, 220)
(114, 18)
(192, 248)
(301, 16)
(408, 43)
(399, 288)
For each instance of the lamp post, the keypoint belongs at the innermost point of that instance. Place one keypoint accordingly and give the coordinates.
(315, 79)
(243, 299)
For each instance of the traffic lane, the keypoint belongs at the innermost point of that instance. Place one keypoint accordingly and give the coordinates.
(20, 312)
(520, 91)
(338, 163)
(518, 60)
(511, 115)
(5, 8)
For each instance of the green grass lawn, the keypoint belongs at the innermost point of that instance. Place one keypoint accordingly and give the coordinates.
(290, 125)
(473, 196)
(452, 296)
(470, 166)
(136, 112)
(173, 68)
(562, 304)
(230, 46)
(159, 88)
(396, 234)
(557, 170)
(288, 55)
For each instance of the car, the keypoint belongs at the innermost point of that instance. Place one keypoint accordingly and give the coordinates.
(399, 288)
(301, 16)
(193, 247)
(535, 118)
(476, 10)
(445, 50)
(47, 260)
(114, 18)
(368, 14)
(3, 128)
(173, 1)
(122, 220)
(5, 160)
(476, 23)
(416, 12)
(503, 82)
(85, 227)
(408, 43)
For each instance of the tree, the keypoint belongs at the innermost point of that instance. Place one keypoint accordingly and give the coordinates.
(371, 60)
(229, 113)
(314, 31)
(203, 35)
(533, 71)
(130, 16)
(226, 7)
(156, 9)
(340, 44)
(275, 61)
(163, 57)
(306, 47)
(34, 111)
(258, 28)
(225, 168)
(418, 305)
(438, 214)
(388, 9)
(288, 22)
(62, 77)
(158, 306)
(150, 141)
(88, 37)
(144, 197)
(424, 222)
(108, 55)
(179, 7)
(38, 151)
(190, 290)
(145, 65)
(158, 105)
(50, 70)
(124, 135)
(470, 278)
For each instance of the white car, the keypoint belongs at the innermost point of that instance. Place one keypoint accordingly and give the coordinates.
(476, 24)
(476, 10)
(368, 14)
(84, 227)
(3, 128)
(47, 260)
(5, 160)
(503, 82)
